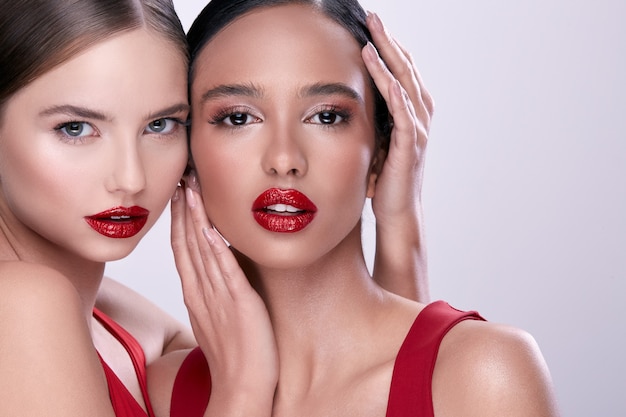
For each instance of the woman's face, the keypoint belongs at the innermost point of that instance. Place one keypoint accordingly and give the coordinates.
(282, 134)
(91, 147)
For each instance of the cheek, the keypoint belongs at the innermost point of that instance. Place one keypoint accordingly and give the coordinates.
(38, 189)
(213, 169)
(163, 171)
(225, 176)
(168, 164)
(37, 171)
(352, 168)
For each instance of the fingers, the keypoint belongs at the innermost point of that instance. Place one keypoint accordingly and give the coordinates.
(396, 64)
(182, 257)
(208, 268)
(205, 263)
(401, 65)
(233, 277)
(406, 121)
(224, 310)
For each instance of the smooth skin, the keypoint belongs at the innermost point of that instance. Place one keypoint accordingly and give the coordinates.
(91, 134)
(210, 280)
(401, 178)
(51, 264)
(335, 332)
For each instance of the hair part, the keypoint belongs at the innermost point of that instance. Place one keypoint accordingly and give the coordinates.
(39, 35)
(347, 13)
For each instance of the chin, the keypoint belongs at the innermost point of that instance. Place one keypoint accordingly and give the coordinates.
(285, 261)
(112, 252)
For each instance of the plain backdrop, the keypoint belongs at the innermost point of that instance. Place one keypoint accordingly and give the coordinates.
(525, 195)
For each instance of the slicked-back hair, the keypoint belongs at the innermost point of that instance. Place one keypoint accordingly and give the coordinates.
(38, 35)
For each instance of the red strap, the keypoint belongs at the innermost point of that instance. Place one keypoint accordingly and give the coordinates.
(411, 383)
(410, 393)
(120, 399)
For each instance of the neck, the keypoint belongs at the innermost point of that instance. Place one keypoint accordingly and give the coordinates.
(20, 243)
(320, 312)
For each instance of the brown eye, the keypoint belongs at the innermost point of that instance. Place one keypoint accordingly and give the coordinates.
(327, 118)
(238, 119)
(234, 117)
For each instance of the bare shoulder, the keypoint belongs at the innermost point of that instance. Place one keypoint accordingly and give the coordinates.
(35, 301)
(38, 307)
(49, 364)
(25, 288)
(156, 330)
(486, 369)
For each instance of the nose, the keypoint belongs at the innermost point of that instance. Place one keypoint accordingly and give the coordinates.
(127, 174)
(284, 154)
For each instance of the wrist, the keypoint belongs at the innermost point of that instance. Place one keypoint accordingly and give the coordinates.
(240, 401)
(400, 264)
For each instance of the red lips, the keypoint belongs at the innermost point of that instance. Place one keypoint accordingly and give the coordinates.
(283, 211)
(119, 222)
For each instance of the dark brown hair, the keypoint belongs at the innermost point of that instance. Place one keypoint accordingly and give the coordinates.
(38, 35)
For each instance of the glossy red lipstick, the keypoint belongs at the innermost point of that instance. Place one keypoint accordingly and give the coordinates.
(119, 222)
(283, 211)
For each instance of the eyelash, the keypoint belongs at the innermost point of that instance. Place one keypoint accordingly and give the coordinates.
(64, 136)
(344, 114)
(220, 117)
(178, 122)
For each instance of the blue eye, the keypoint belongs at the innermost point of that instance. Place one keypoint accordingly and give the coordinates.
(162, 126)
(76, 129)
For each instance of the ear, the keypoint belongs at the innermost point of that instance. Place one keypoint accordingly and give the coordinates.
(375, 170)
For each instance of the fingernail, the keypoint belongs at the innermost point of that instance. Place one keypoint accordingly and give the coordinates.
(191, 199)
(371, 50)
(207, 235)
(376, 22)
(193, 180)
(176, 195)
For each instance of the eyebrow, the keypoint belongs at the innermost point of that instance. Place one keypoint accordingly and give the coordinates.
(76, 111)
(83, 112)
(229, 90)
(330, 89)
(250, 90)
(176, 108)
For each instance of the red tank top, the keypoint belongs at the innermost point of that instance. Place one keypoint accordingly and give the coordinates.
(410, 393)
(124, 404)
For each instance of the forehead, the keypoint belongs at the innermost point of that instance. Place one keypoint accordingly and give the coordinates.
(292, 42)
(139, 63)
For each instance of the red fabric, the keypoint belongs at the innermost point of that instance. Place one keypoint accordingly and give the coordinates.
(411, 384)
(124, 404)
(192, 387)
(410, 393)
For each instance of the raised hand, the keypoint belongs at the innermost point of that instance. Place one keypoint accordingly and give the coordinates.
(400, 264)
(229, 319)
